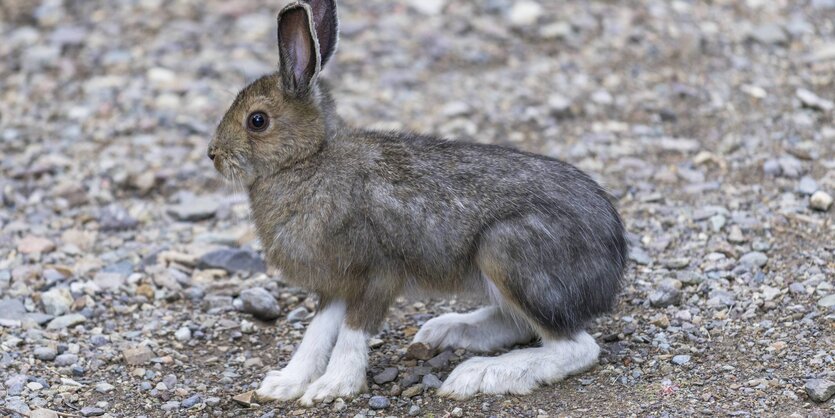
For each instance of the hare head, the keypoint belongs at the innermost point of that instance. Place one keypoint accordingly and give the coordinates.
(284, 117)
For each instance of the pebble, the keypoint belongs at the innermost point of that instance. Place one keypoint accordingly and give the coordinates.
(138, 355)
(191, 401)
(116, 218)
(45, 353)
(57, 301)
(820, 390)
(820, 201)
(770, 33)
(297, 315)
(92, 411)
(431, 381)
(807, 185)
(389, 374)
(428, 7)
(412, 391)
(170, 406)
(66, 359)
(414, 410)
(233, 260)
(43, 413)
(104, 387)
(753, 259)
(667, 293)
(457, 412)
(245, 399)
(260, 303)
(195, 209)
(827, 301)
(379, 402)
(681, 359)
(525, 13)
(183, 334)
(813, 101)
(66, 321)
(31, 244)
(441, 360)
(420, 351)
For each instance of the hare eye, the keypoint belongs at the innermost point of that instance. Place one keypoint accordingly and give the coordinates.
(257, 121)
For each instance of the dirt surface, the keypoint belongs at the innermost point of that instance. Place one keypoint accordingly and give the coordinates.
(711, 122)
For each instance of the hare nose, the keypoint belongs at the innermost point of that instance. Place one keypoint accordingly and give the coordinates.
(212, 153)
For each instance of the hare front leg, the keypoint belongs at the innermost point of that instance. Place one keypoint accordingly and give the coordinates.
(345, 374)
(310, 358)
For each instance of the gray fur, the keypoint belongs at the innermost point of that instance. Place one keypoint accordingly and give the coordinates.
(360, 215)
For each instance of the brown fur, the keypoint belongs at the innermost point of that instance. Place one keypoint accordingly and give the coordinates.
(362, 216)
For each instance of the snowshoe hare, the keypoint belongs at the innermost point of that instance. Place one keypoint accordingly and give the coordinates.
(360, 217)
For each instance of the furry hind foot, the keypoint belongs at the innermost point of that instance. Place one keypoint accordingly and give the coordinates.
(521, 371)
(483, 330)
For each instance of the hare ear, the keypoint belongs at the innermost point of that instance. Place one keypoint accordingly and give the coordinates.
(297, 47)
(326, 23)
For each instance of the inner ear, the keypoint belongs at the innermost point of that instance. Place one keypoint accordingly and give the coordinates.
(297, 48)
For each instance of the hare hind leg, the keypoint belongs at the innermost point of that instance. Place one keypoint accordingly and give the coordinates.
(521, 371)
(536, 281)
(483, 330)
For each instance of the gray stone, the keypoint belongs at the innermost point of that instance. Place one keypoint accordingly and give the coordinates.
(807, 185)
(66, 359)
(91, 411)
(827, 301)
(104, 387)
(813, 101)
(820, 390)
(720, 298)
(196, 209)
(57, 301)
(297, 315)
(769, 34)
(772, 168)
(260, 303)
(790, 166)
(15, 404)
(233, 260)
(431, 381)
(664, 295)
(183, 334)
(116, 218)
(379, 402)
(191, 401)
(12, 309)
(797, 288)
(66, 321)
(387, 375)
(681, 359)
(753, 259)
(638, 255)
(170, 406)
(441, 360)
(414, 410)
(45, 353)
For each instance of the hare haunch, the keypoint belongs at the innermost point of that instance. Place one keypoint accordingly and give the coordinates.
(360, 217)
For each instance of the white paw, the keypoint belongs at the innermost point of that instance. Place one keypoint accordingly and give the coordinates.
(493, 375)
(334, 386)
(283, 385)
(478, 331)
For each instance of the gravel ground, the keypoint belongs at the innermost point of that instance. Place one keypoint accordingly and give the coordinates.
(124, 257)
